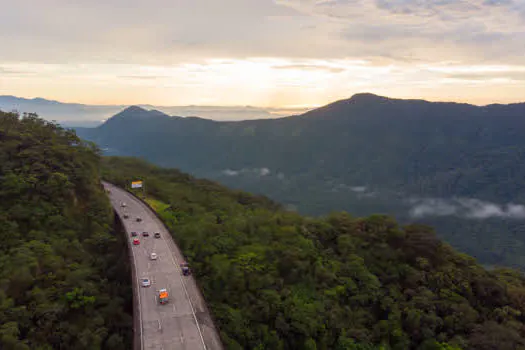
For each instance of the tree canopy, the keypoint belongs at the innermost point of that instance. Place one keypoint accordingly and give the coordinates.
(277, 280)
(64, 281)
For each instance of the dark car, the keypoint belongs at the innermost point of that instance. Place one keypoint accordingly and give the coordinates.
(139, 219)
(185, 269)
(126, 216)
(157, 234)
(145, 234)
(133, 234)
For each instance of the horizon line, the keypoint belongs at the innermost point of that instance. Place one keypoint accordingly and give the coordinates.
(290, 107)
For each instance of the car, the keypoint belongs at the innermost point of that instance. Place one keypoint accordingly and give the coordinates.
(133, 234)
(139, 219)
(163, 296)
(123, 205)
(145, 282)
(145, 234)
(126, 216)
(185, 268)
(157, 234)
(153, 256)
(136, 241)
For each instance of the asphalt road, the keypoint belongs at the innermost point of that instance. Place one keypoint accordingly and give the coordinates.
(184, 322)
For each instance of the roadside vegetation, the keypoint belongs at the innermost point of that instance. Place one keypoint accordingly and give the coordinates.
(276, 280)
(64, 281)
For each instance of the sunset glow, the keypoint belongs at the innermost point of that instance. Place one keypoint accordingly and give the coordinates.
(263, 53)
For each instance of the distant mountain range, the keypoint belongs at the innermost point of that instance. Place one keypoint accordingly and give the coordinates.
(456, 166)
(81, 115)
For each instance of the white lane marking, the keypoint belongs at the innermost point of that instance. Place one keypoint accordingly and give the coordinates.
(175, 261)
(160, 327)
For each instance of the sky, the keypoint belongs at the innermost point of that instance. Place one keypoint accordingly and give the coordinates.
(270, 53)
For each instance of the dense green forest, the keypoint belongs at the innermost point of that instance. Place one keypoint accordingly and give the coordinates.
(277, 280)
(364, 155)
(64, 281)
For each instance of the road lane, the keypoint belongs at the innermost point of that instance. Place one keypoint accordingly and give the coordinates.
(184, 322)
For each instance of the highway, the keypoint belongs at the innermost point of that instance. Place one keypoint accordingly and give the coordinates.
(184, 322)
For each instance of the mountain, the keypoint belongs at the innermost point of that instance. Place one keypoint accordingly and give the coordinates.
(456, 166)
(276, 280)
(69, 114)
(81, 115)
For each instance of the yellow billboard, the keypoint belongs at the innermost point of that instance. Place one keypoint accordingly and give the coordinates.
(136, 184)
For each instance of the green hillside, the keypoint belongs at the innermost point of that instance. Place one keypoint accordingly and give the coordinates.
(367, 154)
(277, 280)
(64, 281)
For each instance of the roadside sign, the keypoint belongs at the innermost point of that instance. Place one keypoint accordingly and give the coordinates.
(136, 184)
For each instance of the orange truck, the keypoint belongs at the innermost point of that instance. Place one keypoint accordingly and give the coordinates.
(163, 296)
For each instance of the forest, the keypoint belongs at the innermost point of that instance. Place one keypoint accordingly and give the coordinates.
(277, 280)
(64, 281)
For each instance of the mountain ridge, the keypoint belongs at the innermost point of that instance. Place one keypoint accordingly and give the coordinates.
(356, 101)
(82, 115)
(358, 155)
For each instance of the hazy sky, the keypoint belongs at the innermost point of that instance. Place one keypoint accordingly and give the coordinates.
(262, 52)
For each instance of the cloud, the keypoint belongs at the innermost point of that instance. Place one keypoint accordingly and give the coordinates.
(508, 76)
(159, 31)
(358, 189)
(465, 207)
(258, 52)
(141, 77)
(229, 172)
(264, 171)
(13, 72)
(433, 207)
(415, 30)
(167, 31)
(443, 9)
(230, 82)
(245, 171)
(498, 2)
(311, 67)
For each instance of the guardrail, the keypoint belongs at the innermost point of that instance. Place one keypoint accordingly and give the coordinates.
(137, 329)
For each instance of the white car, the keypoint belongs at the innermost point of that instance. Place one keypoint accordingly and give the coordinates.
(122, 204)
(153, 256)
(145, 282)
